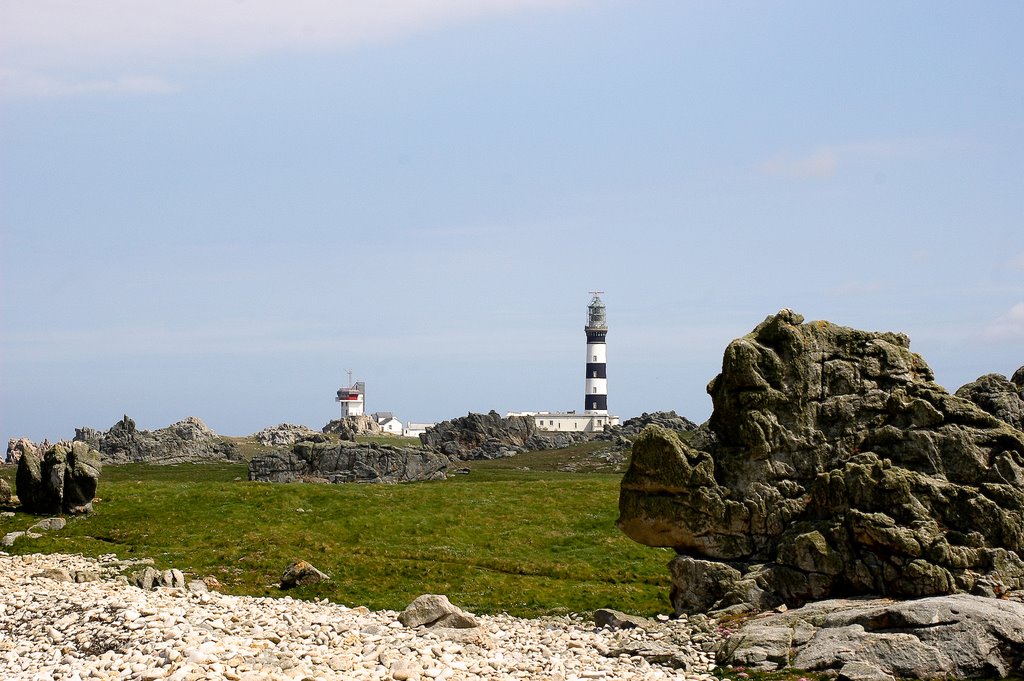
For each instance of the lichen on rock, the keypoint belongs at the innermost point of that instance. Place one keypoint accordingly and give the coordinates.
(832, 465)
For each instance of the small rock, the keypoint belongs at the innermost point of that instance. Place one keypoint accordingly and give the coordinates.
(10, 538)
(49, 525)
(613, 619)
(301, 573)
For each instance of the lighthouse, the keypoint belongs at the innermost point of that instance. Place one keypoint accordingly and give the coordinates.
(595, 417)
(596, 399)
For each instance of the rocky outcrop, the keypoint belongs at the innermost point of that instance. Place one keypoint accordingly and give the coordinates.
(489, 436)
(61, 479)
(631, 428)
(16, 447)
(282, 435)
(186, 441)
(957, 636)
(832, 465)
(1002, 398)
(348, 462)
(350, 427)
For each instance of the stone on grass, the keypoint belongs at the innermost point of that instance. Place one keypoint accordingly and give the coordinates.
(301, 573)
(49, 525)
(62, 478)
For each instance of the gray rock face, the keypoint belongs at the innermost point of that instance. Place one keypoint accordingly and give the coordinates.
(62, 479)
(5, 491)
(186, 441)
(434, 610)
(282, 435)
(490, 436)
(1002, 398)
(631, 428)
(17, 446)
(832, 465)
(150, 578)
(351, 426)
(957, 636)
(348, 462)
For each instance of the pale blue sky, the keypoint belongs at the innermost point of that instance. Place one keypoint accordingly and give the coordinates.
(216, 208)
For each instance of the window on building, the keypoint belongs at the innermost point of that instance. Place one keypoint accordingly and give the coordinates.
(595, 374)
(595, 389)
(595, 358)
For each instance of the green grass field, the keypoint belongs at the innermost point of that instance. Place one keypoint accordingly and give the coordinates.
(513, 535)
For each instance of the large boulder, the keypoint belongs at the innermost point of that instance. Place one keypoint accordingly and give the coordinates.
(1002, 398)
(62, 479)
(187, 441)
(348, 462)
(832, 465)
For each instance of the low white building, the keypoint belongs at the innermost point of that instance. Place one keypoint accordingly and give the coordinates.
(568, 421)
(416, 429)
(387, 422)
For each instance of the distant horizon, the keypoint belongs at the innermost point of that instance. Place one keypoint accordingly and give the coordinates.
(502, 412)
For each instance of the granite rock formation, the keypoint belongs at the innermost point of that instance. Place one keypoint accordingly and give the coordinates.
(832, 465)
(490, 436)
(186, 441)
(308, 460)
(631, 428)
(349, 427)
(18, 446)
(956, 636)
(1002, 398)
(61, 479)
(282, 435)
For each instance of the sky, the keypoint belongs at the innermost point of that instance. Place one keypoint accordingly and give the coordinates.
(218, 208)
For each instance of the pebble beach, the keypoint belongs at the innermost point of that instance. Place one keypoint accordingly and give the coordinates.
(69, 617)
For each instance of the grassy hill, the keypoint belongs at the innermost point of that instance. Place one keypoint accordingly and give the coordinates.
(518, 535)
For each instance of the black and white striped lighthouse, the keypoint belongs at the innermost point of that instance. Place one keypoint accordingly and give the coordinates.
(596, 399)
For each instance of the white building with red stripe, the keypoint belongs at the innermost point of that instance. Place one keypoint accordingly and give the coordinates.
(352, 399)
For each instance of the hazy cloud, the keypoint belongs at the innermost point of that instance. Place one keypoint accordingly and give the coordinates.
(824, 161)
(1016, 262)
(62, 32)
(1008, 327)
(18, 83)
(821, 163)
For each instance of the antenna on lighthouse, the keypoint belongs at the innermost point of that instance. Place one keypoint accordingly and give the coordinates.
(349, 372)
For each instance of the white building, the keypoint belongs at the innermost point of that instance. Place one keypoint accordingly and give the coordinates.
(416, 429)
(568, 421)
(387, 422)
(352, 399)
